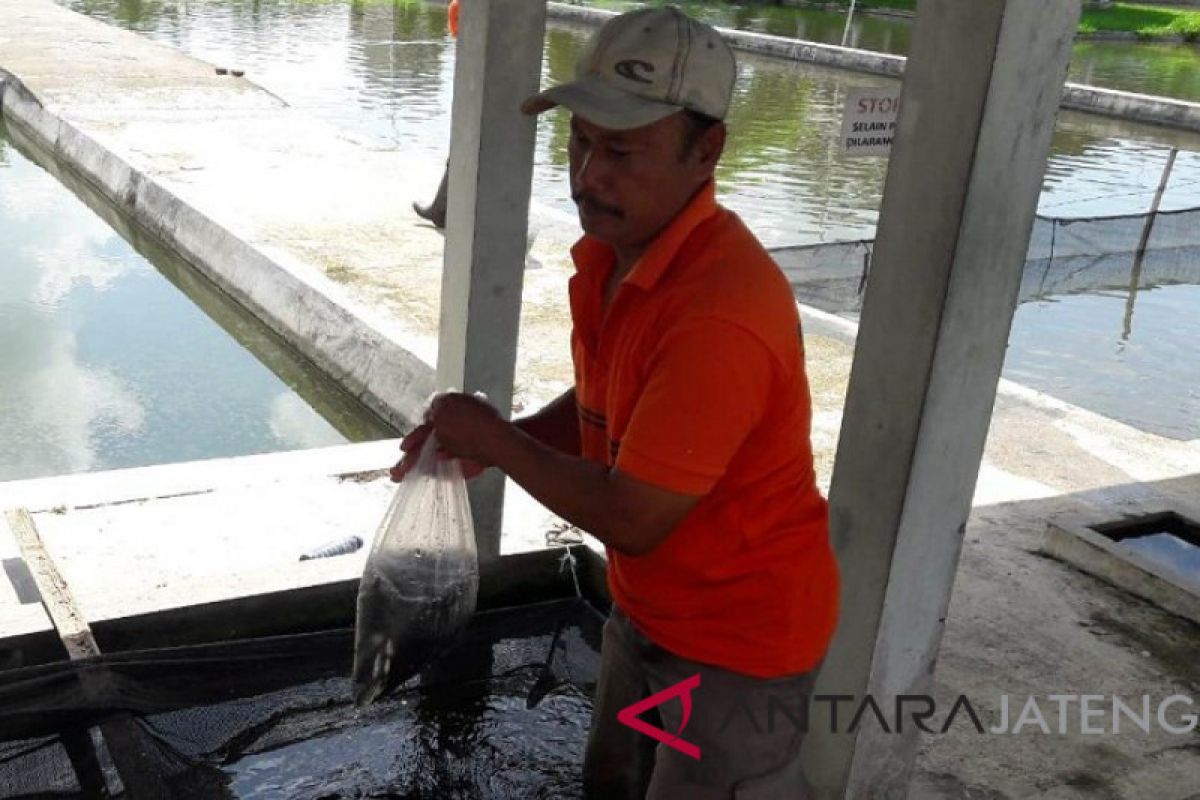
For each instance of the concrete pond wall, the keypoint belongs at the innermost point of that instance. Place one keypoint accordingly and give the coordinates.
(310, 312)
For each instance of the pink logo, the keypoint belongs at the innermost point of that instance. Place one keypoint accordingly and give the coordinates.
(682, 690)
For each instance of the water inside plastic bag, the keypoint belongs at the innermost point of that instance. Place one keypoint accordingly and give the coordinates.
(421, 580)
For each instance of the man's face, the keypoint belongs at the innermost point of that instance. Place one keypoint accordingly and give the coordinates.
(629, 184)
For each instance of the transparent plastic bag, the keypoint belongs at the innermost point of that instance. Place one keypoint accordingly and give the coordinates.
(419, 586)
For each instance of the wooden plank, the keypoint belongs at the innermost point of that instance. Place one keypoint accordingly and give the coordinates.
(142, 780)
(56, 594)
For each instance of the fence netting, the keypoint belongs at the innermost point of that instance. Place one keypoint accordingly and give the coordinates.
(1066, 256)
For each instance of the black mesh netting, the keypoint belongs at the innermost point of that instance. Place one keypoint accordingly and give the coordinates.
(1065, 256)
(503, 714)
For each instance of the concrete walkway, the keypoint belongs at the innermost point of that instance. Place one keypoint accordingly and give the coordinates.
(310, 228)
(1020, 624)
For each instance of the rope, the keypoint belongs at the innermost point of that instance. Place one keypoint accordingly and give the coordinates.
(568, 561)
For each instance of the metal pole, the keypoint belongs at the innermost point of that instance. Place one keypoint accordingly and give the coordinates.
(1135, 274)
(849, 19)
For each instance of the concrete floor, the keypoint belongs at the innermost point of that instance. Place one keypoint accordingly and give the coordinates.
(329, 207)
(1021, 624)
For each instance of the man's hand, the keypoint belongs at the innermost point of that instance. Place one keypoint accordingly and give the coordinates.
(466, 428)
(623, 512)
(412, 445)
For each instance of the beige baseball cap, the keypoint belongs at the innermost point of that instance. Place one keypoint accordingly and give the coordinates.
(643, 66)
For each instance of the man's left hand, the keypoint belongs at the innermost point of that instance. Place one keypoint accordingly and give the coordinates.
(467, 427)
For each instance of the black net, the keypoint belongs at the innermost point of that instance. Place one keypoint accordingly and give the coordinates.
(832, 275)
(503, 714)
(1066, 256)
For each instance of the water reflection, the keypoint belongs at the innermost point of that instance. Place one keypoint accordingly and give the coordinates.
(465, 730)
(1107, 170)
(106, 365)
(384, 69)
(1168, 552)
(1074, 348)
(1098, 321)
(1169, 70)
(884, 34)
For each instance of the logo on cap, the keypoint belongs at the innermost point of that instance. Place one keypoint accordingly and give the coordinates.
(630, 68)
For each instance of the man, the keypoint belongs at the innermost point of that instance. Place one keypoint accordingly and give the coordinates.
(684, 446)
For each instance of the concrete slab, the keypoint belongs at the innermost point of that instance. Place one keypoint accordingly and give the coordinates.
(1076, 541)
(143, 556)
(139, 541)
(1020, 623)
(21, 611)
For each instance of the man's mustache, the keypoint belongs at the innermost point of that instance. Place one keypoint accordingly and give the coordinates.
(595, 206)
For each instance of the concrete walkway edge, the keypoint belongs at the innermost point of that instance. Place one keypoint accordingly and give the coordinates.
(310, 311)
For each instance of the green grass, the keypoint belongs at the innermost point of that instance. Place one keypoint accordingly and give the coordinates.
(901, 5)
(1143, 20)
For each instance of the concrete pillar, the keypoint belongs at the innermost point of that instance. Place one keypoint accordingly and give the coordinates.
(980, 93)
(498, 64)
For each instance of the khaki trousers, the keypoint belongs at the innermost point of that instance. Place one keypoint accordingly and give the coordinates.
(749, 746)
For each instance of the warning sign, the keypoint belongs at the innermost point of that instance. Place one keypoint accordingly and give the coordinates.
(869, 120)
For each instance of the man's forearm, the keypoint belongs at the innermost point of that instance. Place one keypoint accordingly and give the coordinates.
(576, 489)
(627, 514)
(556, 425)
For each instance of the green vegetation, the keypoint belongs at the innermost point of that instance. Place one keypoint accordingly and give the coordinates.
(1147, 21)
(1144, 20)
(895, 5)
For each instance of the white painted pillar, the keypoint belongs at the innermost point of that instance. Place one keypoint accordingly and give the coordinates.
(498, 64)
(981, 89)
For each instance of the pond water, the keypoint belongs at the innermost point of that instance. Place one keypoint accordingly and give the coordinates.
(1166, 69)
(115, 354)
(384, 69)
(1178, 557)
(1129, 358)
(503, 713)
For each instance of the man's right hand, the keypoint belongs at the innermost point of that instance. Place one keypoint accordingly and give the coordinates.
(413, 443)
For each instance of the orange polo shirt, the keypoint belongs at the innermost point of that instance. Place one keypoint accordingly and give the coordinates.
(694, 381)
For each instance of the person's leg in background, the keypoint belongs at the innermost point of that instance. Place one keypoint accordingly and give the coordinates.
(435, 212)
(619, 760)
